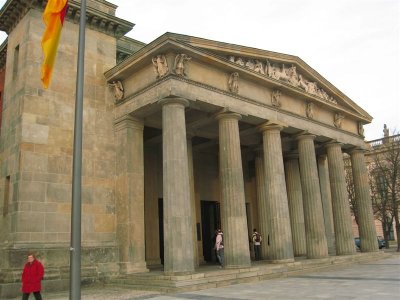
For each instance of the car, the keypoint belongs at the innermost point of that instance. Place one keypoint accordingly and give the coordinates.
(381, 242)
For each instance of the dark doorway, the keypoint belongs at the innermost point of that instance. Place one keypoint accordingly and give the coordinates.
(161, 227)
(210, 221)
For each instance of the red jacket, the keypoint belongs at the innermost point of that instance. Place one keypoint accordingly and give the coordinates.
(32, 276)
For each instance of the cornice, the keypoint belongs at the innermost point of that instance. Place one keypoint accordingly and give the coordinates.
(14, 10)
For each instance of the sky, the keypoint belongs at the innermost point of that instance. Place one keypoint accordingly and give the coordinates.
(354, 44)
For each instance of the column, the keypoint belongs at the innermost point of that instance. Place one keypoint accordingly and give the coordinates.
(280, 238)
(233, 207)
(313, 215)
(326, 202)
(340, 201)
(295, 200)
(366, 224)
(130, 195)
(178, 233)
(262, 202)
(192, 198)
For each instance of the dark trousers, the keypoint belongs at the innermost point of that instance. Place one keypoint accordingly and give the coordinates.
(257, 252)
(25, 296)
(220, 256)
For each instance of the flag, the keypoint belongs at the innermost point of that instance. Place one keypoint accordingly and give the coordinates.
(53, 18)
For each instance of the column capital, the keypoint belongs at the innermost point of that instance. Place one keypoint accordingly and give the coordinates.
(174, 100)
(127, 121)
(356, 150)
(332, 143)
(291, 155)
(269, 125)
(305, 136)
(228, 115)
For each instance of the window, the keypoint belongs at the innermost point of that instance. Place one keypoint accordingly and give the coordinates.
(6, 195)
(15, 66)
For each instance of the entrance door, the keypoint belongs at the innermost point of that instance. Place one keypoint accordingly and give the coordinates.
(161, 228)
(210, 221)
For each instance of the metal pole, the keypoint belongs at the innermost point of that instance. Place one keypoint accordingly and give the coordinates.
(76, 208)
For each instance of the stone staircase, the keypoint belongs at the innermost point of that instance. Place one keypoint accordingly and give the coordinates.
(210, 276)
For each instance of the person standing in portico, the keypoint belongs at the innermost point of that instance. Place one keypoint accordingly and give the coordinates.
(256, 239)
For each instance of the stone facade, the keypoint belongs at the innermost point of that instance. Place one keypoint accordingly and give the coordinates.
(191, 140)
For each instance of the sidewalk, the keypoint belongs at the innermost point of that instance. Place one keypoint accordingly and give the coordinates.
(373, 280)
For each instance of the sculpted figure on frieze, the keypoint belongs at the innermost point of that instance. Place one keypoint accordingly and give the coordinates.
(310, 110)
(160, 65)
(258, 67)
(233, 83)
(118, 90)
(275, 98)
(360, 129)
(337, 121)
(180, 61)
(292, 76)
(250, 64)
(240, 61)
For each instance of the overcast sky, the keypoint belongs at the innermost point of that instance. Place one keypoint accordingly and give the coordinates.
(354, 44)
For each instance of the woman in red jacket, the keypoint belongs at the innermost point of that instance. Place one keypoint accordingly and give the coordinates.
(31, 278)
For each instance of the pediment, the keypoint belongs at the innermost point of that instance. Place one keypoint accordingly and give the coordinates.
(284, 69)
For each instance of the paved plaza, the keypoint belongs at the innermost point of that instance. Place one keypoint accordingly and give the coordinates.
(372, 280)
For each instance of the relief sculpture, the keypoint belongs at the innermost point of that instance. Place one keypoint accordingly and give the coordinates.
(275, 98)
(180, 61)
(233, 83)
(160, 65)
(310, 110)
(281, 72)
(337, 121)
(118, 90)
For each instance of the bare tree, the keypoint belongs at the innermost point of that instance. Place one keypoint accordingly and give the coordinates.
(385, 184)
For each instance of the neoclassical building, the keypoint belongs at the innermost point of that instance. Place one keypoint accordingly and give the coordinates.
(181, 136)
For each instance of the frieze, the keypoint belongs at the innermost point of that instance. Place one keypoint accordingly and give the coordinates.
(279, 71)
(360, 129)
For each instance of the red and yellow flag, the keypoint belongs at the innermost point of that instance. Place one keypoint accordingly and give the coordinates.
(53, 17)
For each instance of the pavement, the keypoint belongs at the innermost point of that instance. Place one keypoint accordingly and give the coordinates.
(370, 280)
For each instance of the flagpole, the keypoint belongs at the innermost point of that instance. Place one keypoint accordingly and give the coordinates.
(76, 209)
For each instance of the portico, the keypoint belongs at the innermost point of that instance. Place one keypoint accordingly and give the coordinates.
(234, 126)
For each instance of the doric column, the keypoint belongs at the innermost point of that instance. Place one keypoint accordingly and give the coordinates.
(340, 201)
(130, 195)
(366, 224)
(178, 233)
(280, 238)
(326, 202)
(313, 214)
(262, 202)
(233, 205)
(295, 200)
(192, 197)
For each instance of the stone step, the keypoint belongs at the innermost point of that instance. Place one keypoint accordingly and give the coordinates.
(207, 277)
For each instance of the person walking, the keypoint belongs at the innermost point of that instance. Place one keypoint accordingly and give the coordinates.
(219, 247)
(32, 276)
(257, 239)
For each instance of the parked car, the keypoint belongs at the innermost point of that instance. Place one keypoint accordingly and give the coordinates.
(381, 242)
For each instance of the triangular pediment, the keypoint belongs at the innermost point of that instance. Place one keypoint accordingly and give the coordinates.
(283, 68)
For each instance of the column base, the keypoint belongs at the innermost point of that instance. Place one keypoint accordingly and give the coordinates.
(237, 266)
(131, 268)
